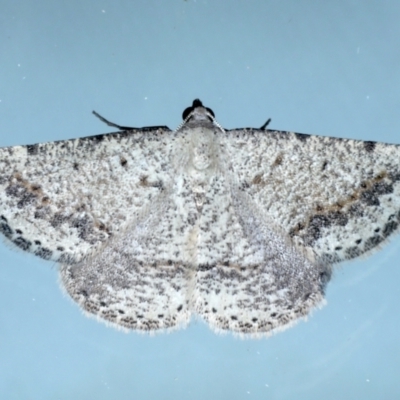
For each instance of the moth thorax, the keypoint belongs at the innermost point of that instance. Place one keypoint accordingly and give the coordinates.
(203, 152)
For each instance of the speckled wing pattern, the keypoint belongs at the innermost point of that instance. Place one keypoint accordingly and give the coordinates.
(239, 227)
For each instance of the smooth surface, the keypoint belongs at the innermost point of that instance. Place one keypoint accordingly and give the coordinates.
(313, 67)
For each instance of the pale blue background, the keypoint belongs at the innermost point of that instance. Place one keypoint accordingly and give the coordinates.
(320, 67)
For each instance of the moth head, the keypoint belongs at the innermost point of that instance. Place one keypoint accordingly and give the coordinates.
(198, 112)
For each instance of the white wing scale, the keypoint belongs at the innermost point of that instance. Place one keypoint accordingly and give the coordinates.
(340, 197)
(61, 200)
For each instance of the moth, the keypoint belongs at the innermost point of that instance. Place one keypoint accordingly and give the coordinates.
(240, 227)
